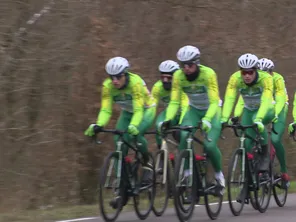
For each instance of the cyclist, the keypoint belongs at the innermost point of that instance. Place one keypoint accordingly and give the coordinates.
(199, 82)
(161, 92)
(280, 108)
(256, 90)
(130, 92)
(291, 125)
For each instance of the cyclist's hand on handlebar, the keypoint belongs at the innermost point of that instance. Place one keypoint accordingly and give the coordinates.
(275, 119)
(92, 130)
(164, 125)
(260, 125)
(206, 125)
(233, 120)
(292, 127)
(133, 130)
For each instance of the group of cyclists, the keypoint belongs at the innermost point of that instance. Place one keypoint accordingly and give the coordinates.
(189, 92)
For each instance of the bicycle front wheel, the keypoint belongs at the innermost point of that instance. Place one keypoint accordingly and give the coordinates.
(163, 181)
(185, 191)
(236, 183)
(111, 192)
(145, 177)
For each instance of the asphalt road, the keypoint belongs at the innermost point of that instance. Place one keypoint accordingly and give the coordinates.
(273, 214)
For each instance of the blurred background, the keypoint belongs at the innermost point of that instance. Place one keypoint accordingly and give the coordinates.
(52, 58)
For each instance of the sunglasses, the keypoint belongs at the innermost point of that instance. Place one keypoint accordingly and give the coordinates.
(248, 72)
(118, 76)
(189, 64)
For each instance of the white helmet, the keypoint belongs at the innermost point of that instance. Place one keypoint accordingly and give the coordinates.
(265, 64)
(116, 65)
(168, 66)
(248, 61)
(188, 53)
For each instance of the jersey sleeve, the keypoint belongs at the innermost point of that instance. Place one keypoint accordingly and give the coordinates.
(174, 103)
(138, 104)
(155, 94)
(213, 94)
(266, 97)
(239, 108)
(230, 97)
(294, 107)
(106, 107)
(280, 95)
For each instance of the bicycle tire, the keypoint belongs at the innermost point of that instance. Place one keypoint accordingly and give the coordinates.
(183, 214)
(236, 154)
(213, 214)
(158, 211)
(140, 215)
(275, 187)
(101, 185)
(267, 184)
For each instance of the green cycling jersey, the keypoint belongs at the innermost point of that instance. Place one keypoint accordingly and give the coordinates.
(280, 96)
(134, 98)
(258, 96)
(203, 92)
(162, 96)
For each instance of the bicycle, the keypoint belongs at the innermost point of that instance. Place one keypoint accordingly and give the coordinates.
(249, 178)
(198, 181)
(131, 178)
(164, 167)
(279, 191)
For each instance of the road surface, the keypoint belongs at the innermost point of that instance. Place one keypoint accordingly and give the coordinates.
(273, 214)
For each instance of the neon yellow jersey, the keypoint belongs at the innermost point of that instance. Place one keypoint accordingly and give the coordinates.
(203, 92)
(256, 97)
(133, 98)
(294, 107)
(162, 97)
(280, 92)
(280, 96)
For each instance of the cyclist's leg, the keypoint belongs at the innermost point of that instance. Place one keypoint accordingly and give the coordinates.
(191, 118)
(212, 149)
(279, 127)
(145, 124)
(276, 139)
(247, 119)
(122, 124)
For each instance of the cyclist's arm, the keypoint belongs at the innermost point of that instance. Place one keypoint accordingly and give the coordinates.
(239, 108)
(106, 107)
(230, 96)
(266, 97)
(213, 94)
(155, 94)
(138, 104)
(280, 95)
(184, 105)
(174, 104)
(294, 107)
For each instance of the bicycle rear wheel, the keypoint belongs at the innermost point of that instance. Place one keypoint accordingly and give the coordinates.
(237, 184)
(164, 176)
(185, 187)
(279, 192)
(111, 193)
(145, 177)
(212, 194)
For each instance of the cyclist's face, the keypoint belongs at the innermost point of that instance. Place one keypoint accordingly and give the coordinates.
(188, 67)
(118, 80)
(166, 78)
(248, 75)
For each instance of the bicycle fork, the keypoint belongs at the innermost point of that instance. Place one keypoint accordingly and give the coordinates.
(164, 148)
